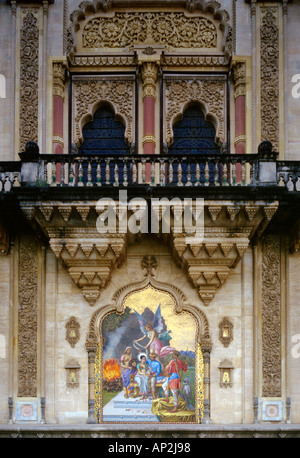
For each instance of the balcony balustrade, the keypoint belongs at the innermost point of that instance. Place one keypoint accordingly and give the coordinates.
(218, 170)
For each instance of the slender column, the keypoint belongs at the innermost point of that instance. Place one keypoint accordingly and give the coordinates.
(239, 77)
(206, 402)
(92, 359)
(59, 68)
(149, 71)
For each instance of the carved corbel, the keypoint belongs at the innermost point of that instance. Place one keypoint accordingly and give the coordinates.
(59, 78)
(149, 72)
(239, 78)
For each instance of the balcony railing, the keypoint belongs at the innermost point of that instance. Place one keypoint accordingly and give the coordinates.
(219, 170)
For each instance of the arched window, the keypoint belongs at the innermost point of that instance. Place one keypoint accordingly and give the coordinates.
(104, 134)
(193, 134)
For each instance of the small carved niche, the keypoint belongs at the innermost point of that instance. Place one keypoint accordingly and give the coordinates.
(72, 331)
(225, 331)
(226, 368)
(72, 373)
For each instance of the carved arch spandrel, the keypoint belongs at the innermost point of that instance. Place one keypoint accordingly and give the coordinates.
(89, 94)
(209, 95)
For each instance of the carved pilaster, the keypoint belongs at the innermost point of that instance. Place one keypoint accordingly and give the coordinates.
(269, 74)
(271, 317)
(29, 79)
(27, 317)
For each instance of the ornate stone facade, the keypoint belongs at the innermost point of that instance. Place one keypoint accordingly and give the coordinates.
(61, 277)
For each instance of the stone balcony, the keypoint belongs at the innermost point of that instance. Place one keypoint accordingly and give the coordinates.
(242, 196)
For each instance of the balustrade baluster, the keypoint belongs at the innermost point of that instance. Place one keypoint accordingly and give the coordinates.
(243, 174)
(206, 174)
(71, 174)
(98, 173)
(116, 174)
(134, 172)
(224, 178)
(251, 172)
(62, 173)
(143, 170)
(152, 173)
(125, 175)
(233, 174)
(179, 174)
(107, 171)
(80, 174)
(162, 172)
(197, 174)
(171, 172)
(188, 174)
(89, 174)
(53, 175)
(216, 174)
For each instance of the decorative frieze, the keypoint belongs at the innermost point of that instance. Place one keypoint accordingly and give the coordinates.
(27, 317)
(29, 79)
(271, 317)
(125, 30)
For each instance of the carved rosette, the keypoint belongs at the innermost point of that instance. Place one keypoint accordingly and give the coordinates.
(27, 317)
(89, 93)
(210, 94)
(269, 73)
(29, 79)
(271, 317)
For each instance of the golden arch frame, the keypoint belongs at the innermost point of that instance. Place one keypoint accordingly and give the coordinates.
(203, 340)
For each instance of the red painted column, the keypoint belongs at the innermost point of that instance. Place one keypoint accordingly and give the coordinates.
(59, 68)
(239, 77)
(149, 78)
(240, 124)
